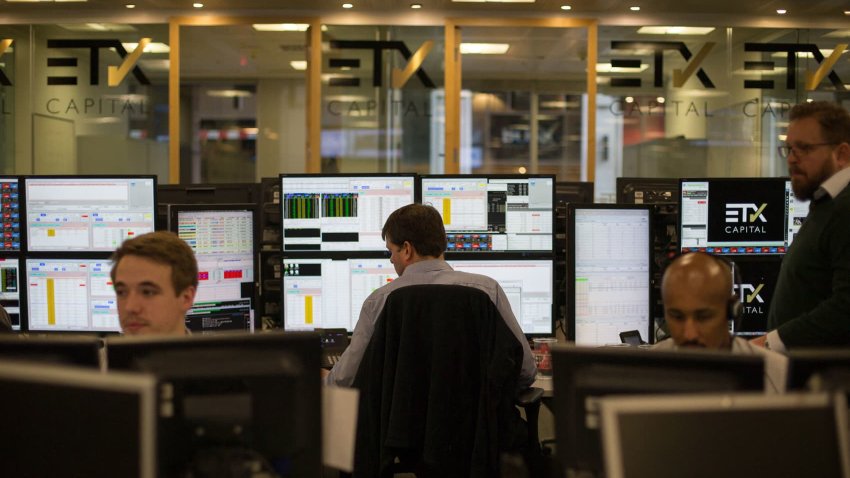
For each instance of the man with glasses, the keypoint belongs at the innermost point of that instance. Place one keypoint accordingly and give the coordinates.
(811, 304)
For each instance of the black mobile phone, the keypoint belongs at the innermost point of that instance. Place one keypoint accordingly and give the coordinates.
(631, 337)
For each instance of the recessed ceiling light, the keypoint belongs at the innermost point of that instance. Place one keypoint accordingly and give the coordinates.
(630, 99)
(782, 11)
(660, 100)
(234, 93)
(347, 5)
(566, 7)
(298, 64)
(634, 9)
(281, 27)
(130, 5)
(198, 5)
(847, 12)
(674, 30)
(494, 1)
(416, 6)
(484, 48)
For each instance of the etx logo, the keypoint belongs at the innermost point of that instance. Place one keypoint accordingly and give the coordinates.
(750, 293)
(740, 212)
(115, 74)
(399, 76)
(790, 51)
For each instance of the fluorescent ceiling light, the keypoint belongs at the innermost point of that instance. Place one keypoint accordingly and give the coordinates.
(299, 65)
(484, 48)
(493, 1)
(153, 47)
(97, 27)
(229, 93)
(671, 30)
(806, 54)
(607, 68)
(281, 27)
(838, 34)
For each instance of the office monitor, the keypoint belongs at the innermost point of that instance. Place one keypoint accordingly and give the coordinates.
(70, 295)
(10, 289)
(79, 351)
(739, 215)
(340, 213)
(328, 293)
(219, 193)
(824, 363)
(609, 257)
(87, 213)
(256, 397)
(728, 435)
(68, 421)
(494, 213)
(580, 192)
(758, 275)
(10, 208)
(529, 285)
(224, 238)
(582, 375)
(647, 190)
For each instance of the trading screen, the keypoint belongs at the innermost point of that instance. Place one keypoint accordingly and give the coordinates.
(483, 214)
(340, 213)
(71, 295)
(10, 202)
(223, 241)
(612, 274)
(10, 290)
(87, 214)
(740, 216)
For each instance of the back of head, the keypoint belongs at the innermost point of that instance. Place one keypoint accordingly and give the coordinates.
(834, 120)
(165, 248)
(420, 225)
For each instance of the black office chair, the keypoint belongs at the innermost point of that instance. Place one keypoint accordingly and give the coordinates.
(438, 384)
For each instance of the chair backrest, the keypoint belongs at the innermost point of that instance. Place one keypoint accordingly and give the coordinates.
(437, 384)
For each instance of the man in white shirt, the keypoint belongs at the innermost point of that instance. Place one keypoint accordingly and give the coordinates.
(699, 303)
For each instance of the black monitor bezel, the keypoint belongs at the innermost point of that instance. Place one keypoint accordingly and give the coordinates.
(743, 182)
(483, 255)
(571, 262)
(81, 253)
(669, 184)
(570, 410)
(174, 214)
(318, 254)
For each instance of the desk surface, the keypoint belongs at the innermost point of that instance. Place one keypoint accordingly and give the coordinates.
(545, 384)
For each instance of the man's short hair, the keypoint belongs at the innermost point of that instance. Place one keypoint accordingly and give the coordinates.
(834, 120)
(166, 248)
(420, 225)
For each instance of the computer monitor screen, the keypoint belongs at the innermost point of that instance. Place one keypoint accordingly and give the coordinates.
(79, 213)
(758, 275)
(66, 421)
(328, 293)
(573, 192)
(582, 375)
(10, 289)
(608, 288)
(224, 238)
(805, 364)
(712, 435)
(70, 295)
(255, 396)
(224, 193)
(332, 213)
(494, 213)
(647, 190)
(10, 202)
(528, 283)
(739, 216)
(81, 351)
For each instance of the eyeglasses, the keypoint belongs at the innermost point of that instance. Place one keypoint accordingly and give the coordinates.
(800, 150)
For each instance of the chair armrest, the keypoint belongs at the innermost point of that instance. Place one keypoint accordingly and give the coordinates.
(529, 397)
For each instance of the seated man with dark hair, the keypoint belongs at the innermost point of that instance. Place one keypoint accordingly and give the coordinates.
(416, 240)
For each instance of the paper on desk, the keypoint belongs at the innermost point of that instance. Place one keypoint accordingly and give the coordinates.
(339, 426)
